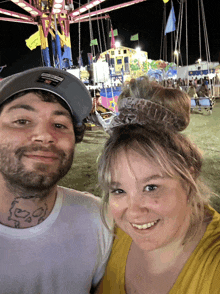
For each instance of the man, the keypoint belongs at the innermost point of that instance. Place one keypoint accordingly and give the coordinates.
(51, 238)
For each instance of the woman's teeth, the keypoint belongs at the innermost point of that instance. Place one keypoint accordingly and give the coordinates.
(145, 226)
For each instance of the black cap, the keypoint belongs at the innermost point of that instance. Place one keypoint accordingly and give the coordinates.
(59, 82)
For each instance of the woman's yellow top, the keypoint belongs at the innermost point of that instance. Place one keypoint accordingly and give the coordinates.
(200, 274)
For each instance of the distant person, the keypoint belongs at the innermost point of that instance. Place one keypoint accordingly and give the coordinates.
(203, 90)
(192, 90)
(177, 86)
(196, 82)
(96, 101)
(52, 238)
(166, 236)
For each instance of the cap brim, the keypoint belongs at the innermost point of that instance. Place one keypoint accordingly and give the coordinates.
(59, 82)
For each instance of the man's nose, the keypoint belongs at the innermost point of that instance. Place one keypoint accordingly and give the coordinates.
(43, 134)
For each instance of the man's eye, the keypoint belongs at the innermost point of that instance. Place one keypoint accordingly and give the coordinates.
(21, 121)
(150, 188)
(60, 126)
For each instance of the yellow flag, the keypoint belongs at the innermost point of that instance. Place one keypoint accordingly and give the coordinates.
(165, 1)
(33, 41)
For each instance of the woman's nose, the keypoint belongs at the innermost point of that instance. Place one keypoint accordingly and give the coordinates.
(137, 204)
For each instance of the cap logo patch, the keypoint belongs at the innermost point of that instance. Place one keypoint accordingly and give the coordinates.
(50, 79)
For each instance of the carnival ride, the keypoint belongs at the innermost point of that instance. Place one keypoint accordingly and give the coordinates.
(54, 17)
(203, 66)
(202, 105)
(201, 70)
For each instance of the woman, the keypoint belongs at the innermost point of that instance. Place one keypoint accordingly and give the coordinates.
(167, 236)
(192, 90)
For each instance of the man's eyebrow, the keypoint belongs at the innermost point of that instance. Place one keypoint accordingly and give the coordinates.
(30, 108)
(21, 106)
(62, 112)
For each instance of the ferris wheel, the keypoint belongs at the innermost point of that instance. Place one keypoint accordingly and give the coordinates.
(53, 18)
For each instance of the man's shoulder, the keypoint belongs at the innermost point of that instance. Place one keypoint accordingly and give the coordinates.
(74, 197)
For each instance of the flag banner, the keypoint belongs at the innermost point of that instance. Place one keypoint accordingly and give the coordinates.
(165, 1)
(90, 58)
(134, 37)
(112, 39)
(170, 27)
(96, 58)
(115, 33)
(33, 41)
(94, 42)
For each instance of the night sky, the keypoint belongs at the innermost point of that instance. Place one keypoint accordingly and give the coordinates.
(144, 18)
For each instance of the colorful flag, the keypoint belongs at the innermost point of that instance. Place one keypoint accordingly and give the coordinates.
(115, 33)
(94, 42)
(33, 41)
(112, 39)
(90, 58)
(170, 27)
(134, 37)
(96, 58)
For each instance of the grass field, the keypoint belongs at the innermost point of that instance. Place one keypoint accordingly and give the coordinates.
(204, 131)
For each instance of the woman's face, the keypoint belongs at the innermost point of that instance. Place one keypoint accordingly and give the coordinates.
(147, 204)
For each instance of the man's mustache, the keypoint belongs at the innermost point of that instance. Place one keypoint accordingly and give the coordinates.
(33, 148)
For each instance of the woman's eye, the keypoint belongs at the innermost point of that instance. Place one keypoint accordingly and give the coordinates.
(116, 191)
(150, 188)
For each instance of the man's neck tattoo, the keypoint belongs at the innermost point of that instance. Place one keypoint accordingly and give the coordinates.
(20, 217)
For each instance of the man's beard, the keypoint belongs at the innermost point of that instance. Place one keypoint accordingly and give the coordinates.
(37, 182)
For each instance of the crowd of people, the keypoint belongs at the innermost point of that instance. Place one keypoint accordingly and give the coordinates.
(153, 232)
(194, 87)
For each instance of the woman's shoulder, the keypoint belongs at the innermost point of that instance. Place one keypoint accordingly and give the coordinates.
(121, 244)
(202, 270)
(121, 236)
(214, 224)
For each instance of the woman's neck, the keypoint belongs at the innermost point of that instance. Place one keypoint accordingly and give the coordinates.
(172, 255)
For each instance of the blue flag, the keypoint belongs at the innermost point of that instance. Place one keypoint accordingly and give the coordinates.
(170, 27)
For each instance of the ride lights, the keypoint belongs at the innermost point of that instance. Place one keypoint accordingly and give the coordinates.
(28, 7)
(117, 44)
(17, 15)
(58, 6)
(138, 50)
(86, 7)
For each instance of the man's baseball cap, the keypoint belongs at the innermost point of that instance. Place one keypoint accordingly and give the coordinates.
(59, 82)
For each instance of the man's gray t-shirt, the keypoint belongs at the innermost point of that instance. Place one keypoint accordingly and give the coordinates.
(66, 253)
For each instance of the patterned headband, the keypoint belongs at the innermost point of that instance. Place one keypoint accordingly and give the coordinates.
(143, 112)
